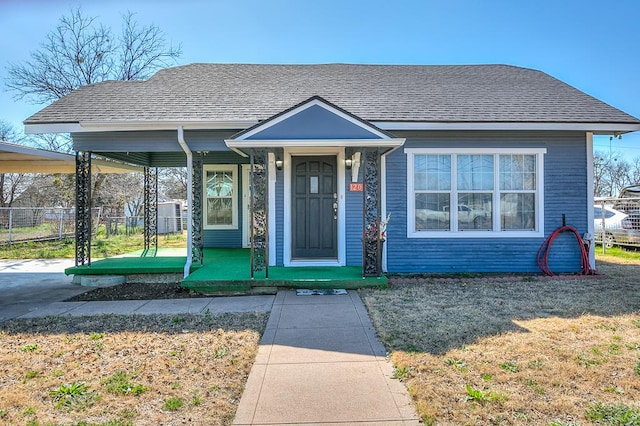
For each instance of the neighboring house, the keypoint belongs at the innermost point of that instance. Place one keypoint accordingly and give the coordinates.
(475, 165)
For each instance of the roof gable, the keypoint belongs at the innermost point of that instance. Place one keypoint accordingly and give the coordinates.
(314, 118)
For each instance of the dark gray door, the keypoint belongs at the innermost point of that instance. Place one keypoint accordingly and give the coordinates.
(314, 208)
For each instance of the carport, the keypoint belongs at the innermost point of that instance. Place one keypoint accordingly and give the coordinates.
(16, 158)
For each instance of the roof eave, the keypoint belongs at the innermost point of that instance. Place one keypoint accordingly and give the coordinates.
(596, 128)
(116, 126)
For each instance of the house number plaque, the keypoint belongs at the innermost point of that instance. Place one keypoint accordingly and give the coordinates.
(356, 187)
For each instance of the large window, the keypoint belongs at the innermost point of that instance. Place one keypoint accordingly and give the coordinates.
(221, 197)
(474, 192)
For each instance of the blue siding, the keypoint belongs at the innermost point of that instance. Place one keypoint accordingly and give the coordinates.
(354, 226)
(565, 192)
(314, 122)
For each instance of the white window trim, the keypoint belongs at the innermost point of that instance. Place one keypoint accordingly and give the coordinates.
(234, 199)
(539, 202)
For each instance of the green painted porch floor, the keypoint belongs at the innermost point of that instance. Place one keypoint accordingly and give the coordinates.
(229, 270)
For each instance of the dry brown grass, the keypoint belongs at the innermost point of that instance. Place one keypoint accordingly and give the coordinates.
(541, 351)
(202, 360)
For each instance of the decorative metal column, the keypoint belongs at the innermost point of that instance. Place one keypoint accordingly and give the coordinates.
(371, 243)
(259, 230)
(83, 208)
(197, 241)
(150, 209)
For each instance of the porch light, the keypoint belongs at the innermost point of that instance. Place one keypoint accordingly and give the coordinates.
(279, 164)
(348, 162)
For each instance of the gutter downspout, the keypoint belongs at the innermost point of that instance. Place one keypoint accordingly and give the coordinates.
(187, 151)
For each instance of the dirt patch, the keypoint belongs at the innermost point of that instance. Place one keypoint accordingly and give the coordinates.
(136, 291)
(514, 350)
(136, 369)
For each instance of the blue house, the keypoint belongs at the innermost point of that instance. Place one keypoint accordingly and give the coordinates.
(405, 169)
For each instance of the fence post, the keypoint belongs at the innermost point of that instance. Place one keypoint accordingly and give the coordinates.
(61, 223)
(10, 226)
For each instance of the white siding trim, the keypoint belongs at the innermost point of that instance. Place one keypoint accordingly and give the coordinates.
(590, 200)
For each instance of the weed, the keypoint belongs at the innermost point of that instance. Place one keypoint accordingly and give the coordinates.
(177, 319)
(487, 377)
(208, 318)
(401, 373)
(32, 422)
(457, 363)
(30, 348)
(3, 413)
(637, 368)
(558, 423)
(480, 396)
(196, 399)
(536, 364)
(588, 362)
(613, 388)
(173, 404)
(614, 349)
(75, 396)
(57, 373)
(613, 414)
(31, 374)
(96, 336)
(29, 411)
(120, 383)
(528, 279)
(509, 366)
(220, 353)
(636, 323)
(610, 327)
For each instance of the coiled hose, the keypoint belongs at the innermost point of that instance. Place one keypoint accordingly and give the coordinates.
(543, 252)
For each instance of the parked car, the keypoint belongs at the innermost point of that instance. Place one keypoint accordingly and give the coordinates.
(619, 228)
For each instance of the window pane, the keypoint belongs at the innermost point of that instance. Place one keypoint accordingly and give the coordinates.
(219, 211)
(475, 172)
(517, 172)
(220, 183)
(475, 212)
(517, 212)
(432, 212)
(432, 172)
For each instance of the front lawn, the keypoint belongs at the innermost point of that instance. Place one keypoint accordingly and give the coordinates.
(517, 351)
(125, 370)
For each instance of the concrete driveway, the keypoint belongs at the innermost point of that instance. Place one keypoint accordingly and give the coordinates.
(27, 285)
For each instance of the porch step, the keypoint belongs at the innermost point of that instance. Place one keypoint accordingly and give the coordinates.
(209, 286)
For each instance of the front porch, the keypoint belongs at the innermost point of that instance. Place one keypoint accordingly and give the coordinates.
(223, 270)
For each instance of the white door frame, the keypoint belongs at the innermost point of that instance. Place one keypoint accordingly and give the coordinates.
(341, 229)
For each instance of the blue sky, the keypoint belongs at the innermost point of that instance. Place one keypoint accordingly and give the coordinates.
(592, 45)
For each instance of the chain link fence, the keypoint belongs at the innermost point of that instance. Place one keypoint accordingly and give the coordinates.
(22, 224)
(617, 222)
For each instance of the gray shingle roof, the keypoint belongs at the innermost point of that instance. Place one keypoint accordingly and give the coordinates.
(420, 93)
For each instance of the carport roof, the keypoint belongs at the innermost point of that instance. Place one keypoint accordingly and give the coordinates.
(23, 159)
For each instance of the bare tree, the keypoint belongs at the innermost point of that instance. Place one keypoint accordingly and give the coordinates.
(11, 184)
(81, 51)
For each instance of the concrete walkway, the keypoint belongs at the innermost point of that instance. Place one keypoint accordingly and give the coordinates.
(320, 362)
